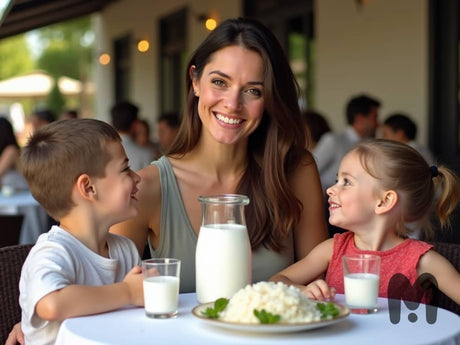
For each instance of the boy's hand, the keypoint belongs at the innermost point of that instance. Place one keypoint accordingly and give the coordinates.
(15, 336)
(319, 290)
(133, 281)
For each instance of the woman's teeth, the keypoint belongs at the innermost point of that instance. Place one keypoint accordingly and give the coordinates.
(228, 120)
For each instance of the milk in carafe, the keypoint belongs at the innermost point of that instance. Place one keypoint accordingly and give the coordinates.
(223, 252)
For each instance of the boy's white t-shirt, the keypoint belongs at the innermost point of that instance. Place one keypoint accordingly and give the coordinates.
(58, 259)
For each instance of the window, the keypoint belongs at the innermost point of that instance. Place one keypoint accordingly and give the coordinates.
(122, 57)
(172, 60)
(292, 22)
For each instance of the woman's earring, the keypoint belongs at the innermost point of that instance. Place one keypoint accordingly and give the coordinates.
(195, 93)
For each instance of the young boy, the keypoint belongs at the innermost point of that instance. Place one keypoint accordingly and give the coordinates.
(78, 171)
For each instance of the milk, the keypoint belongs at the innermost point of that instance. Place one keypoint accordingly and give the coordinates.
(361, 290)
(161, 294)
(223, 261)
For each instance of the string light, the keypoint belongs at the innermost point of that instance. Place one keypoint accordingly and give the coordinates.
(104, 59)
(210, 24)
(143, 46)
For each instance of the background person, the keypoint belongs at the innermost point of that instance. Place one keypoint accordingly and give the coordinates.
(362, 118)
(42, 118)
(168, 126)
(374, 197)
(240, 135)
(400, 127)
(78, 268)
(316, 125)
(124, 117)
(10, 174)
(69, 114)
(142, 138)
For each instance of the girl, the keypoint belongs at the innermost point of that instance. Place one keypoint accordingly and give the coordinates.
(381, 186)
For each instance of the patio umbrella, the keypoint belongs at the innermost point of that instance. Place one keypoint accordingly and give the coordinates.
(39, 84)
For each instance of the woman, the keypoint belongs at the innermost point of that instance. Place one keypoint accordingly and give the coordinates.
(241, 134)
(9, 157)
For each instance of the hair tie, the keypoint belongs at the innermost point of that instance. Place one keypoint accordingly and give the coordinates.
(434, 171)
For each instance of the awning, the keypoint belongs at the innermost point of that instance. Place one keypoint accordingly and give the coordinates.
(26, 15)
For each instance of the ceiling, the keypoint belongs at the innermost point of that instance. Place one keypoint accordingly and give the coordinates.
(26, 15)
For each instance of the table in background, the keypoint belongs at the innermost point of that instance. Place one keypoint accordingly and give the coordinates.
(131, 326)
(35, 217)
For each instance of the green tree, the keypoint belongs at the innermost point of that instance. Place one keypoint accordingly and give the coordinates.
(67, 51)
(55, 101)
(68, 48)
(15, 57)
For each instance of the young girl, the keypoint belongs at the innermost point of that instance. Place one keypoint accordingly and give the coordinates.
(381, 186)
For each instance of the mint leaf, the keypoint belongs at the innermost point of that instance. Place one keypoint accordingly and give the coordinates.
(266, 317)
(219, 305)
(328, 310)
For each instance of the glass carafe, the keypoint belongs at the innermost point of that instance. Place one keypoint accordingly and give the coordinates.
(223, 252)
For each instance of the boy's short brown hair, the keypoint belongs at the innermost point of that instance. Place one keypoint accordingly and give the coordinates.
(55, 155)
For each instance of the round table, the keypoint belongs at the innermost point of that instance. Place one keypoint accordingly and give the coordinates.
(131, 326)
(35, 217)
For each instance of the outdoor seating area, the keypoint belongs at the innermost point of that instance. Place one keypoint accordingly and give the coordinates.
(230, 172)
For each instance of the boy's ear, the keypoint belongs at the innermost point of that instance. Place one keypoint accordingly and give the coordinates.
(85, 186)
(387, 202)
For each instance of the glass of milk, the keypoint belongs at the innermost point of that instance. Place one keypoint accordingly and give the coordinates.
(361, 276)
(161, 287)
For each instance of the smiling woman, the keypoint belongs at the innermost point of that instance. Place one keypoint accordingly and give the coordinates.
(240, 135)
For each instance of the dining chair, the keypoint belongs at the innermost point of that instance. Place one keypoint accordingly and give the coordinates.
(451, 251)
(10, 229)
(11, 261)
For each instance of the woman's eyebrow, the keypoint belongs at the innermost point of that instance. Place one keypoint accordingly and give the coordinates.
(222, 74)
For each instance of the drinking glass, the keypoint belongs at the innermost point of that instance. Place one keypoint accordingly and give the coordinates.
(161, 287)
(361, 275)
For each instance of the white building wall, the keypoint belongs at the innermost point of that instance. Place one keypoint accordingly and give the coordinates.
(381, 49)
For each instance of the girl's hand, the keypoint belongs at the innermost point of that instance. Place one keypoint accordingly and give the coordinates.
(319, 290)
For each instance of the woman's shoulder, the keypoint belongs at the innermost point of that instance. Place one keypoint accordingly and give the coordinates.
(149, 187)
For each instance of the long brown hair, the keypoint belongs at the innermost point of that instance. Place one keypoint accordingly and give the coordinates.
(275, 148)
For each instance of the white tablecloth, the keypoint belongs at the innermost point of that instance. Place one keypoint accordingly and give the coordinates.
(35, 217)
(131, 326)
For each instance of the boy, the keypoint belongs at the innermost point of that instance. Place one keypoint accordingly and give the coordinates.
(78, 171)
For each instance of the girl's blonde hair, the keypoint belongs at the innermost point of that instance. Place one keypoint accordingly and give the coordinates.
(423, 191)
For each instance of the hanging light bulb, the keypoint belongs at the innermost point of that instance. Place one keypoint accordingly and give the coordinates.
(143, 46)
(210, 24)
(104, 59)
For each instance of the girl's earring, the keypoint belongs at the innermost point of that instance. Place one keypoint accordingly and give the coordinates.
(195, 93)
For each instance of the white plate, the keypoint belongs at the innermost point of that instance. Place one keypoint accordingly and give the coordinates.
(270, 328)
